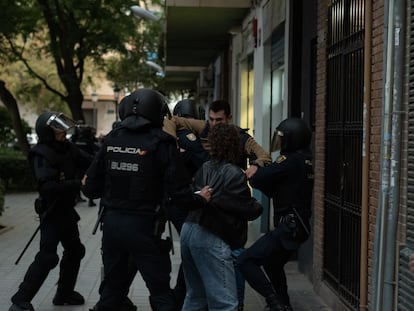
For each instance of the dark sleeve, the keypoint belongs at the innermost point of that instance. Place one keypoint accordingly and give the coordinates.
(194, 151)
(267, 177)
(47, 179)
(82, 158)
(95, 182)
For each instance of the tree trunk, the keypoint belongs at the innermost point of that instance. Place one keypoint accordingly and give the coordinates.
(75, 101)
(10, 102)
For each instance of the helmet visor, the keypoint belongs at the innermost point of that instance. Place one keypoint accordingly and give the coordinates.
(60, 122)
(276, 141)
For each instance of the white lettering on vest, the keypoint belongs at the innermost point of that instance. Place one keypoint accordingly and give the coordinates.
(124, 166)
(116, 149)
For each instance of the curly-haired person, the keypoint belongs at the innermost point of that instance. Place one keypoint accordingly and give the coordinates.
(213, 230)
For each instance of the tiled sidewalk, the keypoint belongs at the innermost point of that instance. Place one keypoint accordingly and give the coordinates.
(20, 221)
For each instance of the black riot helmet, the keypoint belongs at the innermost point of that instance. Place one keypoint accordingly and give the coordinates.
(291, 134)
(186, 108)
(146, 106)
(50, 122)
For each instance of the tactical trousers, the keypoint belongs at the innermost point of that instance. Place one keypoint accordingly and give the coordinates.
(51, 233)
(272, 251)
(131, 237)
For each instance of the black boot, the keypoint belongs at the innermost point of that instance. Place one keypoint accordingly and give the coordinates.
(127, 305)
(163, 302)
(73, 298)
(273, 304)
(24, 306)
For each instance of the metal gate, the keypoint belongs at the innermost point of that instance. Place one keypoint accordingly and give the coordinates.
(343, 171)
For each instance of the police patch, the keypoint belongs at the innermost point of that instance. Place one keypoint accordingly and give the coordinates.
(280, 159)
(191, 137)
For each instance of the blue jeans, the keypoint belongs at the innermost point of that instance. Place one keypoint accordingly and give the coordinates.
(208, 271)
(240, 281)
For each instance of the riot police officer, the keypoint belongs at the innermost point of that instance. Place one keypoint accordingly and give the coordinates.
(133, 171)
(55, 161)
(289, 182)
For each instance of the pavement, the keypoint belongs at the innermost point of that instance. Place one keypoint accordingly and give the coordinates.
(20, 221)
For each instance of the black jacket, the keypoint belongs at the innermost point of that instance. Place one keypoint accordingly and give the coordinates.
(55, 167)
(231, 206)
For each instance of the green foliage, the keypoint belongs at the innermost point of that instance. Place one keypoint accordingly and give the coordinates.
(31, 92)
(15, 171)
(7, 135)
(131, 70)
(69, 34)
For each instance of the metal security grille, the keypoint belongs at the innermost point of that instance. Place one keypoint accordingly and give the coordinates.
(405, 279)
(343, 173)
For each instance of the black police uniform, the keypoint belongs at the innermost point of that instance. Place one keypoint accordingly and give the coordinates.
(131, 173)
(85, 140)
(289, 182)
(55, 165)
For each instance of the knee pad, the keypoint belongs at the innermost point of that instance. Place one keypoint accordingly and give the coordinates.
(48, 260)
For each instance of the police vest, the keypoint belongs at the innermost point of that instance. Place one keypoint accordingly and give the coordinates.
(132, 170)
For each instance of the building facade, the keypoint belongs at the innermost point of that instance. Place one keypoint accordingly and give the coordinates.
(346, 68)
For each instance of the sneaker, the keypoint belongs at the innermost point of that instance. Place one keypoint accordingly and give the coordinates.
(24, 306)
(73, 298)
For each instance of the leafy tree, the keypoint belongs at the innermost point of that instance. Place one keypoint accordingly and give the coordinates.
(68, 31)
(7, 98)
(133, 71)
(7, 134)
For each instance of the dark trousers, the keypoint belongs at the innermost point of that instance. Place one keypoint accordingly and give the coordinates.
(131, 237)
(272, 251)
(177, 216)
(52, 232)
